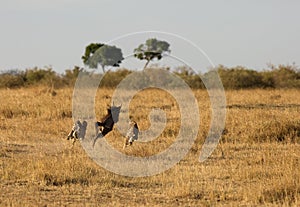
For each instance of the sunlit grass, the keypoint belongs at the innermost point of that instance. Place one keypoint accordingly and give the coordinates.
(260, 166)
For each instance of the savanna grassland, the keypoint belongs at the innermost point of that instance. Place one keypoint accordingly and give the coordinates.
(256, 163)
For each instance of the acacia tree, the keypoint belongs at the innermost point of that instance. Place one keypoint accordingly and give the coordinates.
(152, 49)
(103, 55)
(89, 51)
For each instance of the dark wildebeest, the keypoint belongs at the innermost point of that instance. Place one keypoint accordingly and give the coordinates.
(107, 122)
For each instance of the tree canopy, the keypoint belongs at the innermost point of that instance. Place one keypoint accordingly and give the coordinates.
(104, 55)
(152, 49)
(90, 50)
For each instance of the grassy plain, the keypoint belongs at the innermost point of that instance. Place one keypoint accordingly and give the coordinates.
(259, 166)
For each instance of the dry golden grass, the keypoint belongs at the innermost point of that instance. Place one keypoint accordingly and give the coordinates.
(260, 167)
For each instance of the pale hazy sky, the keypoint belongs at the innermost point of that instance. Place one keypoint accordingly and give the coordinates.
(234, 32)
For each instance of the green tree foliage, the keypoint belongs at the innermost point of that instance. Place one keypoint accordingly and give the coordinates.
(152, 49)
(89, 51)
(103, 55)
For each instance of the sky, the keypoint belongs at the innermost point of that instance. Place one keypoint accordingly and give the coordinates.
(250, 33)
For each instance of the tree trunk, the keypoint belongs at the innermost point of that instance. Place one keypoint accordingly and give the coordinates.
(146, 64)
(102, 66)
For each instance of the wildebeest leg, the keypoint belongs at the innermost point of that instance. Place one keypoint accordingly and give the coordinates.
(97, 131)
(74, 140)
(70, 135)
(125, 143)
(94, 142)
(97, 127)
(99, 135)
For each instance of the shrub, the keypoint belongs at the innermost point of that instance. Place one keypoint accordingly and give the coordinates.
(285, 76)
(239, 77)
(11, 80)
(70, 76)
(112, 79)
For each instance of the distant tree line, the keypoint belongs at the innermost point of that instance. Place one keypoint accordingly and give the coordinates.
(239, 77)
(281, 76)
(100, 55)
(37, 77)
